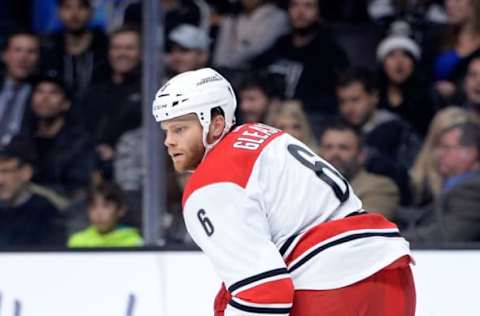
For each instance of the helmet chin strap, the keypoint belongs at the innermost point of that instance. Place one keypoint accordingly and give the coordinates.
(208, 147)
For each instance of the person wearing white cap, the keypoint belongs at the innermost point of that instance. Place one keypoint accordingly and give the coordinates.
(189, 49)
(401, 88)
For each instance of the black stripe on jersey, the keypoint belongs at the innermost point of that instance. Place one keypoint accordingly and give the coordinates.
(287, 244)
(356, 213)
(340, 241)
(260, 310)
(290, 240)
(257, 277)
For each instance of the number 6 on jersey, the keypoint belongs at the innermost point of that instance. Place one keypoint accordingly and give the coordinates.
(321, 170)
(206, 223)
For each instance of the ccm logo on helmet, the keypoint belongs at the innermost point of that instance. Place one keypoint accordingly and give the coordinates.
(254, 136)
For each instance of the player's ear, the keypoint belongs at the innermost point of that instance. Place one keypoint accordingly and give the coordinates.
(217, 125)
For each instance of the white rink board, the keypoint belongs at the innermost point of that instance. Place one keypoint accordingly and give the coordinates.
(447, 282)
(184, 283)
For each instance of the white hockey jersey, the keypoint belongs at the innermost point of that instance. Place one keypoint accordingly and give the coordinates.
(273, 217)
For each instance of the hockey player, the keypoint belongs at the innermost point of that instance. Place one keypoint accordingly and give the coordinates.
(281, 226)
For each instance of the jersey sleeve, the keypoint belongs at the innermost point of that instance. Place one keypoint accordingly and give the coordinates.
(233, 232)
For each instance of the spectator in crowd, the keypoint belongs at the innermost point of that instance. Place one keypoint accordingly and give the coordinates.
(392, 144)
(176, 12)
(77, 51)
(189, 49)
(291, 118)
(65, 152)
(21, 58)
(341, 145)
(384, 131)
(471, 86)
(113, 106)
(309, 58)
(106, 207)
(255, 99)
(455, 216)
(426, 180)
(27, 219)
(243, 37)
(402, 90)
(462, 42)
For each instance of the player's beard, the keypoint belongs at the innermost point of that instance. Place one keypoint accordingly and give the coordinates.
(192, 158)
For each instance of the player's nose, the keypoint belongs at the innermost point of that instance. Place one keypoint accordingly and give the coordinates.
(169, 141)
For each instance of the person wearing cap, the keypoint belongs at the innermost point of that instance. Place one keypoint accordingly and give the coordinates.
(402, 89)
(27, 219)
(189, 49)
(65, 152)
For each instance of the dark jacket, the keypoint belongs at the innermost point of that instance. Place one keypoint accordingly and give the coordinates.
(64, 162)
(393, 146)
(455, 216)
(317, 65)
(417, 106)
(79, 71)
(110, 109)
(35, 223)
(392, 137)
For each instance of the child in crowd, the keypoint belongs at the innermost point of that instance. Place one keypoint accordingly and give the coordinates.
(106, 207)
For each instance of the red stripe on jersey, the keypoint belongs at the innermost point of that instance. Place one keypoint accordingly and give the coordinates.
(333, 228)
(273, 292)
(232, 159)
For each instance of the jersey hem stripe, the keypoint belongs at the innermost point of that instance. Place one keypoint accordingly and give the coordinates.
(256, 278)
(317, 250)
(293, 240)
(261, 282)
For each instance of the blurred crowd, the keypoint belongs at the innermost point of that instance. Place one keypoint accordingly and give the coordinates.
(387, 91)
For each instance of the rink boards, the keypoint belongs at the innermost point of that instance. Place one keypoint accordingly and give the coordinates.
(180, 283)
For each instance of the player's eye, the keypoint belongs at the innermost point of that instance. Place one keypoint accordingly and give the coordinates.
(179, 130)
